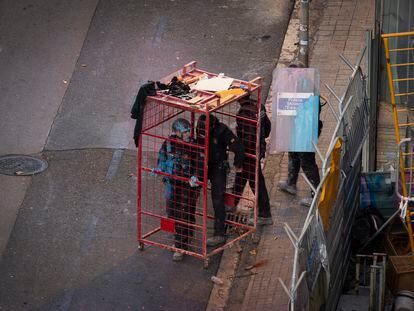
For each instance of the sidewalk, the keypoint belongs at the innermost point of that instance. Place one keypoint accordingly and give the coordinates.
(337, 27)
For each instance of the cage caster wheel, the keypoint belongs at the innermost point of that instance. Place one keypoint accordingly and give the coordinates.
(141, 246)
(206, 263)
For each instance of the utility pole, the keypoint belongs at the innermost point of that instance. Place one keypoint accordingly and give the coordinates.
(303, 54)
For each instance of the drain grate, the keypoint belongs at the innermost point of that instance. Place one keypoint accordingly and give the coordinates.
(21, 165)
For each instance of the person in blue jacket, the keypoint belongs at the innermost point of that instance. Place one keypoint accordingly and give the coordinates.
(182, 164)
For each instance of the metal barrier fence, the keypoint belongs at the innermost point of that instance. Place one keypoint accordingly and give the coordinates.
(322, 250)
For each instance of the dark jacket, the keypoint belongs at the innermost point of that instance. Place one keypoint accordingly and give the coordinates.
(222, 137)
(137, 111)
(246, 130)
(320, 123)
(180, 159)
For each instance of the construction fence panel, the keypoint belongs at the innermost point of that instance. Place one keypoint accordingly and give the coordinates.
(323, 248)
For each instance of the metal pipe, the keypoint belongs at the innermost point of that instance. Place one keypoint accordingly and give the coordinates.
(302, 275)
(358, 63)
(205, 181)
(347, 62)
(258, 127)
(303, 54)
(294, 277)
(338, 125)
(292, 236)
(357, 272)
(333, 110)
(311, 209)
(365, 271)
(381, 288)
(318, 152)
(305, 227)
(139, 181)
(284, 287)
(384, 270)
(374, 289)
(411, 173)
(328, 156)
(396, 35)
(294, 241)
(333, 92)
(309, 183)
(371, 292)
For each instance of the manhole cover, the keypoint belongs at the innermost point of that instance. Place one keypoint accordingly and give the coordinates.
(21, 165)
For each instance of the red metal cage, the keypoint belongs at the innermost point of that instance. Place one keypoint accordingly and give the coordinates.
(173, 214)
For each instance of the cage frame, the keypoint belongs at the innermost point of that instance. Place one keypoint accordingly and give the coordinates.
(208, 105)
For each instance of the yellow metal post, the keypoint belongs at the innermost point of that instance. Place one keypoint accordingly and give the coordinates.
(394, 110)
(397, 131)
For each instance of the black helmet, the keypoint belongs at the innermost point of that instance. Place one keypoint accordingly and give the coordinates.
(181, 125)
(201, 124)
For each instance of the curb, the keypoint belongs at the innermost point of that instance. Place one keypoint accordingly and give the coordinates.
(227, 269)
(231, 256)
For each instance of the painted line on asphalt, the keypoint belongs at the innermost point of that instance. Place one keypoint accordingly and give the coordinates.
(160, 30)
(113, 167)
(90, 232)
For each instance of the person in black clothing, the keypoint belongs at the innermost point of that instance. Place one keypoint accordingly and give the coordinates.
(137, 111)
(246, 131)
(220, 138)
(304, 160)
(181, 160)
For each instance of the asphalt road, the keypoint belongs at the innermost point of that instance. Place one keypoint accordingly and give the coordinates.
(130, 42)
(70, 72)
(74, 246)
(40, 42)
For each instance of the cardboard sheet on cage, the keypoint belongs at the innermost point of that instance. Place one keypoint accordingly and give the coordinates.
(215, 84)
(295, 110)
